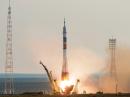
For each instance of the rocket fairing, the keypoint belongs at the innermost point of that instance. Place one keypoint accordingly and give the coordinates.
(65, 73)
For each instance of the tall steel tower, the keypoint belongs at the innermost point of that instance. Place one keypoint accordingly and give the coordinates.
(9, 86)
(112, 48)
(65, 73)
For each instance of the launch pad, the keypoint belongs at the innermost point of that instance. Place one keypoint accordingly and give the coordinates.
(65, 86)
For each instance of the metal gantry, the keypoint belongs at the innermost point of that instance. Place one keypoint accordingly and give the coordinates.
(113, 71)
(9, 85)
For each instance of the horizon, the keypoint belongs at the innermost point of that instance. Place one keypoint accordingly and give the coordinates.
(37, 35)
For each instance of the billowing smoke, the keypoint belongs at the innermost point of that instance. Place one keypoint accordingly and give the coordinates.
(84, 64)
(123, 68)
(107, 83)
(94, 71)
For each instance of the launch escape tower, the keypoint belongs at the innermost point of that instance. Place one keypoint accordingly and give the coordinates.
(65, 73)
(113, 72)
(9, 86)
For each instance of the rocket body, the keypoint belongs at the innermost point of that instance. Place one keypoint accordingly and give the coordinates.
(65, 73)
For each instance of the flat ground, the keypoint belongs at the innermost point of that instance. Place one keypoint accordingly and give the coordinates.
(79, 95)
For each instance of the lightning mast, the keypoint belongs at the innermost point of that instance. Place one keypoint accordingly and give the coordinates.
(65, 73)
(112, 48)
(9, 86)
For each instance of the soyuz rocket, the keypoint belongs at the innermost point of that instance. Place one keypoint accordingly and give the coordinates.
(65, 73)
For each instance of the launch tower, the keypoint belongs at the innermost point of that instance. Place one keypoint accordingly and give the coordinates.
(112, 48)
(9, 86)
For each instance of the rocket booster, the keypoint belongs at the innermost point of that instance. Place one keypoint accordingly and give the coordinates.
(65, 73)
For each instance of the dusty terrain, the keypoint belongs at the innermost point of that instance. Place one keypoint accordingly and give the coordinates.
(79, 95)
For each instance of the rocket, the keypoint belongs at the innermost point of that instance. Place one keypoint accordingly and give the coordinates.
(65, 73)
